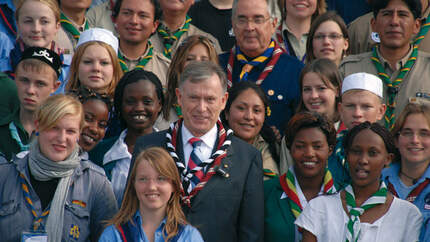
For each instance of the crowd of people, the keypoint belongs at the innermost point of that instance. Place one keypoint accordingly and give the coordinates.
(215, 120)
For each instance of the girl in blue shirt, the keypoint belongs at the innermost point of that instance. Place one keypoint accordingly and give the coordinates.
(409, 179)
(151, 208)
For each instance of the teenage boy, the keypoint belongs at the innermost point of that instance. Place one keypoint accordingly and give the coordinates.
(361, 100)
(36, 78)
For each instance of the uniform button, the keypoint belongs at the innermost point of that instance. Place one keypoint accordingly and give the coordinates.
(280, 97)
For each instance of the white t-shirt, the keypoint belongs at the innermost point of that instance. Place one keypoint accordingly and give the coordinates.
(325, 218)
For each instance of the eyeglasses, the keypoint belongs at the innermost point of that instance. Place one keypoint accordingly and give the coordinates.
(243, 21)
(332, 36)
(422, 134)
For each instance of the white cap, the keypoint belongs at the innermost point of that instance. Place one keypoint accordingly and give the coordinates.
(99, 34)
(363, 81)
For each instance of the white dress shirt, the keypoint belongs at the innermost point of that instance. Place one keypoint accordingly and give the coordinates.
(205, 148)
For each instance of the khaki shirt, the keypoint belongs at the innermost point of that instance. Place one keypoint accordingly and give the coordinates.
(417, 80)
(100, 17)
(157, 41)
(65, 39)
(268, 161)
(158, 65)
(360, 31)
(299, 46)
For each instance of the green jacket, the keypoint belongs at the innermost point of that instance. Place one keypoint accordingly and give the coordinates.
(8, 145)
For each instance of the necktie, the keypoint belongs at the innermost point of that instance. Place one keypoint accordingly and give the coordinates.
(194, 162)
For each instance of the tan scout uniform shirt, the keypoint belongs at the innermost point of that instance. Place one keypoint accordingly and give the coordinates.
(65, 39)
(157, 40)
(417, 80)
(360, 39)
(158, 65)
(299, 46)
(268, 161)
(100, 17)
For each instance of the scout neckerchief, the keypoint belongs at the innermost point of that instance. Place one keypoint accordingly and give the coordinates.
(353, 225)
(276, 53)
(393, 86)
(8, 18)
(287, 48)
(69, 27)
(288, 184)
(423, 31)
(37, 220)
(14, 133)
(269, 173)
(141, 64)
(414, 193)
(339, 151)
(169, 39)
(224, 141)
(178, 110)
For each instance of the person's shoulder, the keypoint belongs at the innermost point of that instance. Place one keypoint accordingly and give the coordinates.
(271, 185)
(353, 59)
(90, 167)
(160, 57)
(360, 21)
(285, 58)
(241, 145)
(424, 55)
(152, 139)
(190, 233)
(110, 234)
(404, 207)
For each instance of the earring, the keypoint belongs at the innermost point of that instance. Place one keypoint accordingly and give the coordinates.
(37, 133)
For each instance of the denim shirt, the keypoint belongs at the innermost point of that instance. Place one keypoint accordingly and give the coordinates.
(189, 234)
(391, 176)
(89, 202)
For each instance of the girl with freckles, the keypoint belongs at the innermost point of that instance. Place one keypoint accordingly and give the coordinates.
(310, 138)
(151, 210)
(137, 104)
(365, 210)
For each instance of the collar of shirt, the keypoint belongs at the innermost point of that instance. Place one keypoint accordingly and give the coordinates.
(399, 64)
(118, 151)
(158, 236)
(205, 148)
(128, 59)
(394, 169)
(173, 31)
(285, 29)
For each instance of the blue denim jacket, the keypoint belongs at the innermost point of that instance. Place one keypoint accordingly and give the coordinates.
(391, 176)
(189, 234)
(90, 201)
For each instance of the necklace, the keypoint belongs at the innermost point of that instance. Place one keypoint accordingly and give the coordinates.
(414, 180)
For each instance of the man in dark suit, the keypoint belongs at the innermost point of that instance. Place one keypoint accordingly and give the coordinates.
(221, 175)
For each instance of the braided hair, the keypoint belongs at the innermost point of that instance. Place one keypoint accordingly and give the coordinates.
(84, 94)
(378, 129)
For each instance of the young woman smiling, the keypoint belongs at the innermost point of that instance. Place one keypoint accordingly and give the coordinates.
(137, 104)
(364, 210)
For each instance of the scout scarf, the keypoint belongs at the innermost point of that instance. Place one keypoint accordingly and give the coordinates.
(393, 86)
(423, 31)
(288, 183)
(169, 39)
(353, 226)
(339, 151)
(44, 169)
(414, 193)
(141, 64)
(275, 54)
(69, 27)
(15, 135)
(224, 141)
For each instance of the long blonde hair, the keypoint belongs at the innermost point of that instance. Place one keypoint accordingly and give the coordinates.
(162, 162)
(73, 78)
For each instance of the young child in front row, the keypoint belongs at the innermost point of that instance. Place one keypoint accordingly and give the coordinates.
(361, 100)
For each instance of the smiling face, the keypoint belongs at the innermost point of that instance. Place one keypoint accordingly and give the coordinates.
(96, 121)
(366, 157)
(328, 42)
(201, 104)
(34, 87)
(395, 25)
(153, 190)
(358, 106)
(58, 142)
(300, 9)
(135, 21)
(317, 96)
(95, 69)
(37, 28)
(310, 152)
(414, 149)
(140, 106)
(253, 39)
(246, 115)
